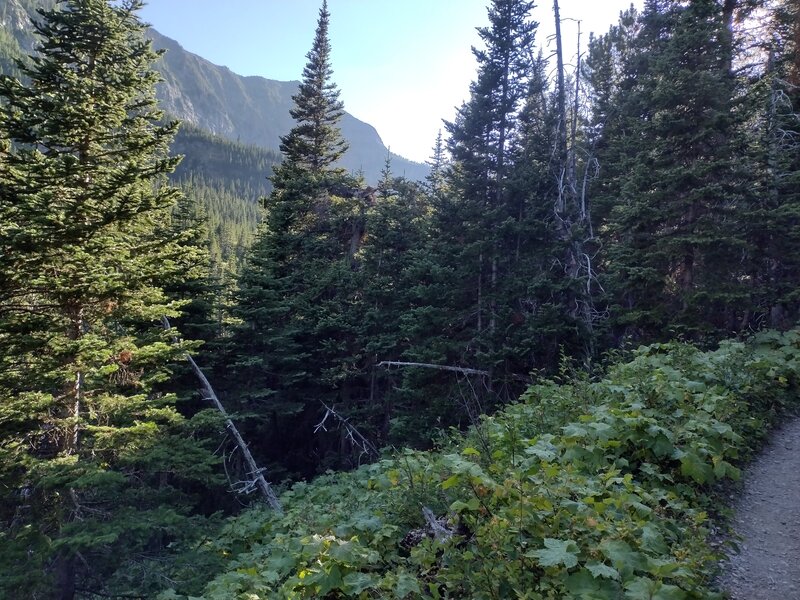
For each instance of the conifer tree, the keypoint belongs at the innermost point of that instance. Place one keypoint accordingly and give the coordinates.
(94, 458)
(316, 142)
(540, 294)
(774, 132)
(672, 233)
(512, 290)
(299, 293)
(435, 180)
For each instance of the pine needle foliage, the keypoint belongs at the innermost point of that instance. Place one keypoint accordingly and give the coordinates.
(95, 460)
(316, 141)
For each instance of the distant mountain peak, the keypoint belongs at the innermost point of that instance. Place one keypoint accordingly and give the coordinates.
(255, 110)
(249, 110)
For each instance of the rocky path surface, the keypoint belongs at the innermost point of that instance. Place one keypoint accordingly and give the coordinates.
(767, 517)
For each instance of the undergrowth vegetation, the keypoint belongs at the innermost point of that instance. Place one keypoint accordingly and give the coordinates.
(592, 490)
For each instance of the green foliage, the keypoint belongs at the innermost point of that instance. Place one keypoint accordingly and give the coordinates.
(510, 304)
(228, 181)
(316, 141)
(96, 463)
(686, 218)
(585, 490)
(772, 107)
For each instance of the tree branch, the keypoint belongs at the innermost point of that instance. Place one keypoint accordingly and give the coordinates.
(355, 436)
(464, 370)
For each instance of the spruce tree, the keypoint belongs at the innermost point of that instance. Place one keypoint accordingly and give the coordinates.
(670, 175)
(505, 253)
(771, 223)
(316, 142)
(541, 300)
(299, 294)
(435, 180)
(94, 457)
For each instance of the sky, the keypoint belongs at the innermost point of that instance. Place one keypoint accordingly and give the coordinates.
(401, 65)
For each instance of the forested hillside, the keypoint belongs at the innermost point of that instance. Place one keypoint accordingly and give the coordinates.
(249, 110)
(17, 38)
(228, 180)
(415, 389)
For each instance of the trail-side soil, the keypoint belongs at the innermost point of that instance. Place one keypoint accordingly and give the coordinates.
(767, 518)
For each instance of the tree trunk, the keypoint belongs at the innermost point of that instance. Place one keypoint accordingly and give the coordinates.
(726, 35)
(480, 293)
(561, 90)
(75, 389)
(64, 575)
(572, 157)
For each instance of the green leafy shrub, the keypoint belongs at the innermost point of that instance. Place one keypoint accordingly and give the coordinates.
(590, 490)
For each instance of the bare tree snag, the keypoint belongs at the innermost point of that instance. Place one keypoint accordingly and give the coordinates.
(353, 434)
(571, 206)
(257, 473)
(561, 150)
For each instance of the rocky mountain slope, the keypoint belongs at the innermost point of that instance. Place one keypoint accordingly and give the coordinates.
(247, 110)
(255, 110)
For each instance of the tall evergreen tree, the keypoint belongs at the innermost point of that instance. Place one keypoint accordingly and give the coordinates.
(316, 142)
(772, 223)
(541, 298)
(94, 458)
(499, 216)
(299, 294)
(481, 139)
(435, 180)
(672, 240)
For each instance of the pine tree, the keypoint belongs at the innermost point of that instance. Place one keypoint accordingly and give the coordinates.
(672, 234)
(299, 294)
(94, 458)
(496, 223)
(480, 144)
(541, 303)
(316, 141)
(435, 181)
(396, 263)
(771, 222)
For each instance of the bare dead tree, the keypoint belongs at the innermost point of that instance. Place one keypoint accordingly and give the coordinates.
(464, 370)
(571, 207)
(438, 527)
(258, 481)
(355, 437)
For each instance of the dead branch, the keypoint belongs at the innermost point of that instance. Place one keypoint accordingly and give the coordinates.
(257, 473)
(353, 434)
(440, 532)
(464, 370)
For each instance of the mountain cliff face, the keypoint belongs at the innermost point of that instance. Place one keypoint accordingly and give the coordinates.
(15, 17)
(17, 38)
(255, 110)
(246, 110)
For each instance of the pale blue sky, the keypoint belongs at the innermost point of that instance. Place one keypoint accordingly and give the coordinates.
(401, 65)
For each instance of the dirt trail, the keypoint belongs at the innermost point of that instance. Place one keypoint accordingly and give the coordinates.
(767, 517)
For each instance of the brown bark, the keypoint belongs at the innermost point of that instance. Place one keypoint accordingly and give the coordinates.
(64, 574)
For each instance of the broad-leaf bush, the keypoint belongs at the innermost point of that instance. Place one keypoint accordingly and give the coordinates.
(589, 490)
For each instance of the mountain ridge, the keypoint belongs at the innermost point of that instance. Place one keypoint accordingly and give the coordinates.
(250, 110)
(255, 110)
